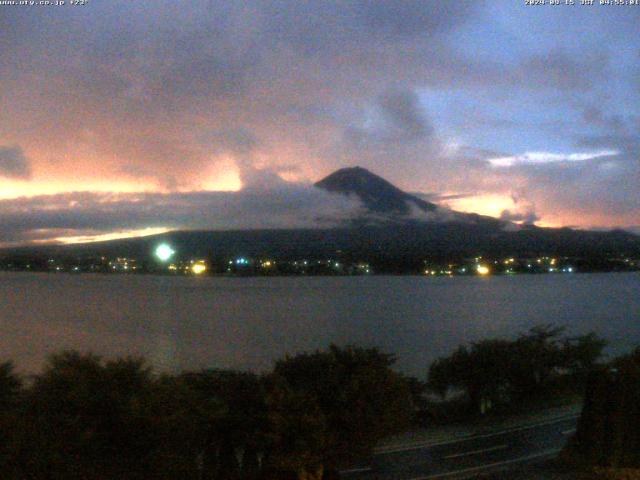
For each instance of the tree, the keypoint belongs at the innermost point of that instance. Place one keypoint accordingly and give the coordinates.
(535, 357)
(236, 436)
(582, 353)
(10, 385)
(299, 434)
(182, 419)
(501, 371)
(608, 431)
(10, 390)
(82, 419)
(480, 371)
(85, 418)
(358, 394)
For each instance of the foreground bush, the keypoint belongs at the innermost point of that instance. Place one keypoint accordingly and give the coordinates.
(608, 433)
(353, 395)
(510, 372)
(90, 419)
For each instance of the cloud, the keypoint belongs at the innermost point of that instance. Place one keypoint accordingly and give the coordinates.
(586, 189)
(440, 197)
(562, 70)
(13, 163)
(330, 26)
(537, 158)
(528, 218)
(626, 143)
(524, 211)
(171, 98)
(396, 117)
(177, 93)
(239, 141)
(596, 116)
(403, 116)
(261, 205)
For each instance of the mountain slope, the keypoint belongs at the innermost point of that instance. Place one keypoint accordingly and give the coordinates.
(386, 204)
(398, 240)
(377, 195)
(400, 248)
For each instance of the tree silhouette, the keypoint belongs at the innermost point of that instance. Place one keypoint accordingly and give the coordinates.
(360, 397)
(500, 371)
(10, 390)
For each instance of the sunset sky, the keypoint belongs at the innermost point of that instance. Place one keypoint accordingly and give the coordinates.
(127, 117)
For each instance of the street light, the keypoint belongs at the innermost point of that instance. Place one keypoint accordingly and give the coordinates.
(164, 252)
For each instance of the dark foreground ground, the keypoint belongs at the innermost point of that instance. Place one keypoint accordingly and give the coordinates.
(555, 470)
(545, 470)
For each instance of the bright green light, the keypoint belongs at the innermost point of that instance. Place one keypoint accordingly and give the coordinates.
(164, 252)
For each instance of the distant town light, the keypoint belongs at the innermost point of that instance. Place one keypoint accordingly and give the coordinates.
(483, 270)
(164, 252)
(198, 268)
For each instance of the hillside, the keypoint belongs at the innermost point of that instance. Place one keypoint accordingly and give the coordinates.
(393, 234)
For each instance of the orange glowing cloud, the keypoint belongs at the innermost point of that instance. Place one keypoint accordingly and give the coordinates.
(103, 237)
(485, 204)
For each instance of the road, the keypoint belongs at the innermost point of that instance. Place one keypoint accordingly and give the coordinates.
(469, 456)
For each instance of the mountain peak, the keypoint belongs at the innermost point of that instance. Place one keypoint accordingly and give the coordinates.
(377, 194)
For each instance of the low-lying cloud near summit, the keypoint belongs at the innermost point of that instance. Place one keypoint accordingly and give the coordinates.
(265, 202)
(87, 215)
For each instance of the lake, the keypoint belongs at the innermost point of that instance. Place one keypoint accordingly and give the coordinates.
(246, 323)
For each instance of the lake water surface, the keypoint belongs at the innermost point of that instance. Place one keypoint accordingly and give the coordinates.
(246, 323)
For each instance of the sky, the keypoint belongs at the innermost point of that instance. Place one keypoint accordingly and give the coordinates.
(124, 118)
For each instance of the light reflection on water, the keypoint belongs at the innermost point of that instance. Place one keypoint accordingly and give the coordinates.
(181, 322)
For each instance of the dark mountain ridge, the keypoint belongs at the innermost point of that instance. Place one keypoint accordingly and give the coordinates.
(375, 192)
(386, 204)
(400, 244)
